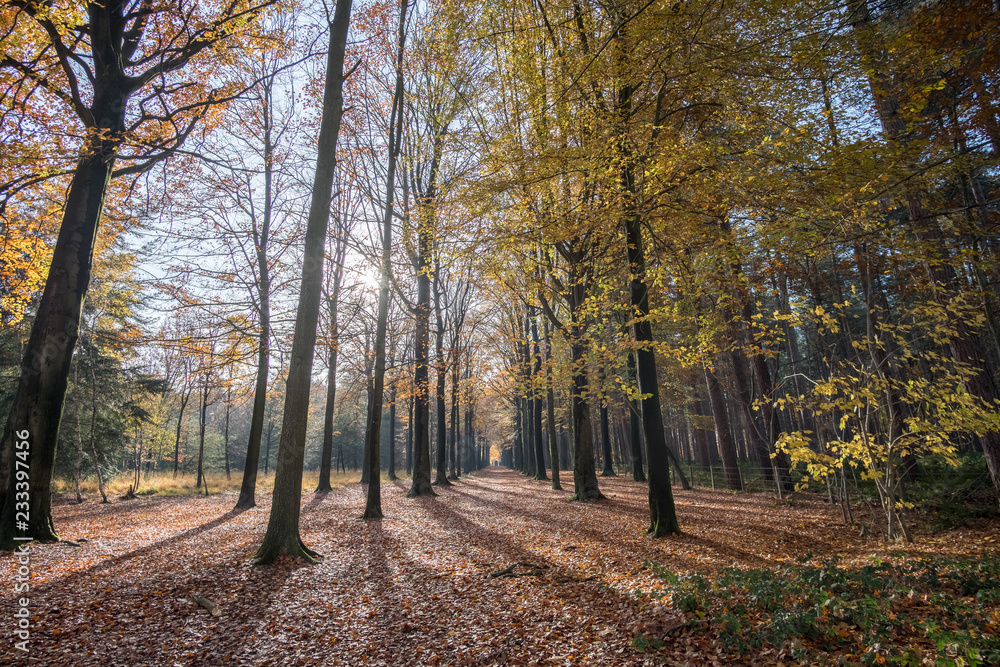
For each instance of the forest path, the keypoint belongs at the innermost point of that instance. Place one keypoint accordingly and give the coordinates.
(413, 589)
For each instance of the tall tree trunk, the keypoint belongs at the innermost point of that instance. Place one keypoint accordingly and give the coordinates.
(518, 435)
(225, 433)
(662, 513)
(392, 434)
(262, 238)
(550, 400)
(373, 503)
(421, 484)
(635, 426)
(267, 451)
(455, 413)
(282, 534)
(469, 435)
(326, 458)
(79, 437)
(584, 473)
(536, 393)
(409, 439)
(609, 470)
(201, 436)
(185, 395)
(37, 407)
(439, 388)
(727, 448)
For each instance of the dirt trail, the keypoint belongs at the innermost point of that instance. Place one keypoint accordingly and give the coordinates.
(413, 589)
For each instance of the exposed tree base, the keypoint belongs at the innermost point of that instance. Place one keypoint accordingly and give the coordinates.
(542, 477)
(323, 488)
(609, 473)
(586, 496)
(420, 491)
(661, 529)
(441, 481)
(372, 513)
(44, 533)
(245, 502)
(274, 547)
(556, 486)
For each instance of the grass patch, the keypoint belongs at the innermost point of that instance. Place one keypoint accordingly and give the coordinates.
(910, 611)
(165, 484)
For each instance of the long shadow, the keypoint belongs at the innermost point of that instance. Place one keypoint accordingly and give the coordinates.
(141, 551)
(113, 613)
(488, 540)
(118, 508)
(547, 519)
(612, 508)
(317, 500)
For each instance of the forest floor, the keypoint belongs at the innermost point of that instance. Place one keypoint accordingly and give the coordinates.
(415, 588)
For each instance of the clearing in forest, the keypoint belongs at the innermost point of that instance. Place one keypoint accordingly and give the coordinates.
(498, 569)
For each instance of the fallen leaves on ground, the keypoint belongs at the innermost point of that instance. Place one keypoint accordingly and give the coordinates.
(415, 588)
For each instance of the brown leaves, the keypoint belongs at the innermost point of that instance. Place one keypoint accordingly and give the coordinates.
(414, 588)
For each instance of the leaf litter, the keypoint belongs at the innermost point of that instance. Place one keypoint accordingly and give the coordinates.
(496, 570)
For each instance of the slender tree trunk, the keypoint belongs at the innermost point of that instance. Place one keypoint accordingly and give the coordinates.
(373, 504)
(267, 451)
(248, 487)
(662, 513)
(584, 473)
(282, 534)
(326, 458)
(409, 440)
(455, 414)
(635, 426)
(550, 400)
(439, 390)
(93, 428)
(201, 436)
(392, 434)
(225, 433)
(726, 446)
(609, 470)
(185, 395)
(79, 437)
(518, 436)
(536, 425)
(469, 433)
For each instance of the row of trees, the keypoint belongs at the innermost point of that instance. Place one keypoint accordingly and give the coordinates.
(769, 235)
(818, 185)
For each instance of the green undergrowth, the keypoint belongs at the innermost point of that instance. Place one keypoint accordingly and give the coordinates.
(907, 611)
